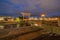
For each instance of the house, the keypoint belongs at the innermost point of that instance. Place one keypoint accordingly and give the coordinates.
(5, 20)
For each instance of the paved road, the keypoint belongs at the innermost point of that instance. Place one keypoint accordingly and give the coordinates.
(31, 36)
(23, 34)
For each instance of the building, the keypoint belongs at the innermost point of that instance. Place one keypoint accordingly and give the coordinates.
(5, 20)
(52, 20)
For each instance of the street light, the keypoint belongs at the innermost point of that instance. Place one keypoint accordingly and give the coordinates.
(43, 16)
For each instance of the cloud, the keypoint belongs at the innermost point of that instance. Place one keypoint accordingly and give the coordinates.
(28, 4)
(7, 9)
(16, 6)
(50, 5)
(44, 4)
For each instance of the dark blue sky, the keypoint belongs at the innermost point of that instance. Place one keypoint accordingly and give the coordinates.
(15, 7)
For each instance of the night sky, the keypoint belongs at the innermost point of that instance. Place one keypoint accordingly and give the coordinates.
(35, 7)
